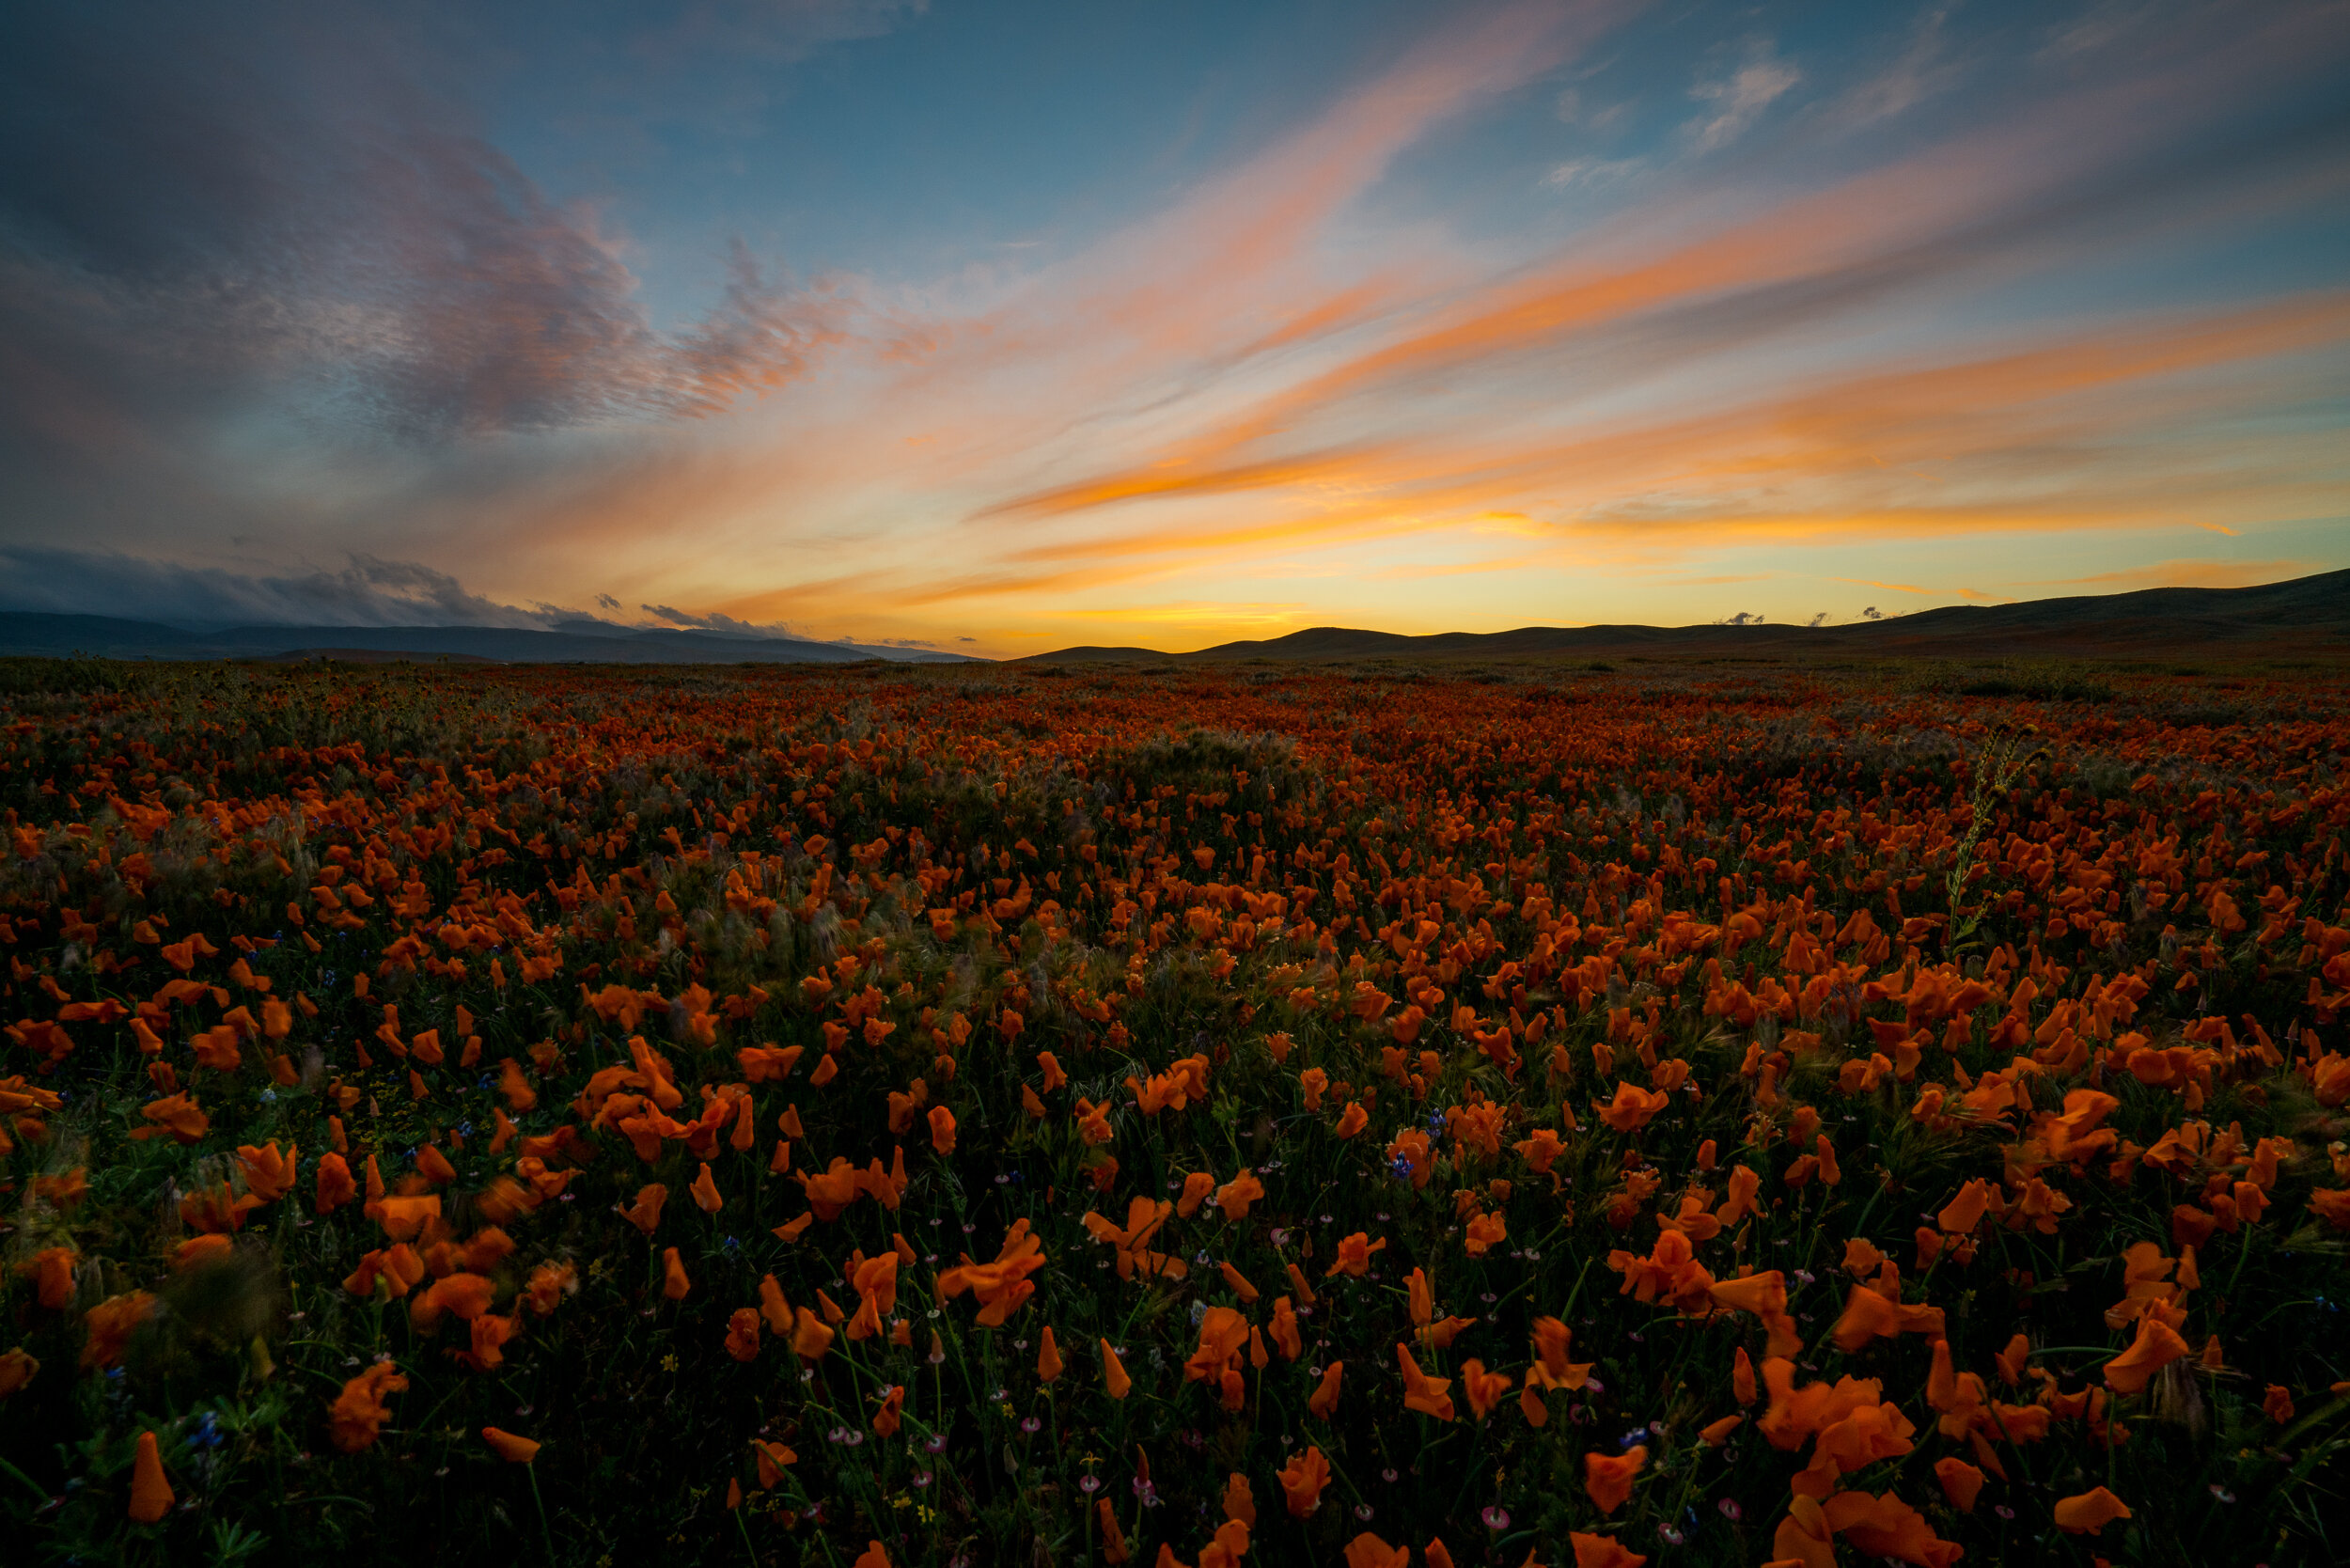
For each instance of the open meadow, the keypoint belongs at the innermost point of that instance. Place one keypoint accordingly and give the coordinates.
(1377, 1114)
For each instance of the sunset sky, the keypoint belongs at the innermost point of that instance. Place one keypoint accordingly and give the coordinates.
(997, 326)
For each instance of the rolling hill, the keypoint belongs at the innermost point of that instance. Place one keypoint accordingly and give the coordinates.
(2304, 616)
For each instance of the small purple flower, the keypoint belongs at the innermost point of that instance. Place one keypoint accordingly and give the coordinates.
(1495, 1517)
(934, 1443)
(1032, 1425)
(1088, 1484)
(1362, 1511)
(1668, 1535)
(921, 1478)
(1730, 1510)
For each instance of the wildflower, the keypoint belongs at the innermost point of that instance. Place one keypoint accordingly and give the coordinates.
(1114, 1373)
(1961, 1483)
(2090, 1512)
(1354, 1255)
(151, 1493)
(2157, 1344)
(1421, 1392)
(1302, 1481)
(1324, 1397)
(513, 1450)
(1608, 1479)
(1602, 1551)
(358, 1413)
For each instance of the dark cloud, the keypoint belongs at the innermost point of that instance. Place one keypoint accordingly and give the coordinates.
(367, 592)
(208, 207)
(725, 624)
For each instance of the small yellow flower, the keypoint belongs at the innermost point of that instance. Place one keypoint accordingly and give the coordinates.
(669, 1362)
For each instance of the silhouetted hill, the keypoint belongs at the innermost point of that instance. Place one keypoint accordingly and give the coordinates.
(579, 642)
(2305, 616)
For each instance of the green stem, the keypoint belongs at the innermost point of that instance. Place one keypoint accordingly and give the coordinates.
(546, 1532)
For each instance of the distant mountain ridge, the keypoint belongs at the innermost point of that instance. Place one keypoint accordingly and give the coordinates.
(24, 631)
(2304, 615)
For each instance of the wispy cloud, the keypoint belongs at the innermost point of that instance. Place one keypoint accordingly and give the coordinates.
(1739, 98)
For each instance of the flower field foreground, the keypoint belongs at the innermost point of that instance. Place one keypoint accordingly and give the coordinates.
(1004, 1117)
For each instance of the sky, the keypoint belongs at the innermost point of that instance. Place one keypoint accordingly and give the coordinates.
(997, 326)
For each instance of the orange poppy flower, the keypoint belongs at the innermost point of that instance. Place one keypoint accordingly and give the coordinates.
(1484, 1389)
(1631, 1108)
(1114, 1377)
(772, 1458)
(151, 1493)
(1805, 1536)
(110, 1324)
(645, 1213)
(51, 1269)
(358, 1413)
(2158, 1346)
(2090, 1512)
(811, 1339)
(178, 1116)
(1602, 1551)
(1236, 1196)
(1888, 1528)
(1197, 1186)
(336, 1186)
(513, 1450)
(1961, 1483)
(1301, 1480)
(1354, 1255)
(1048, 1363)
(463, 1295)
(1368, 1551)
(1324, 1397)
(1607, 1478)
(1421, 1392)
(674, 1284)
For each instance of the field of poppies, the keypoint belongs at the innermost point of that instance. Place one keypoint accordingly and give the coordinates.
(1002, 1115)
